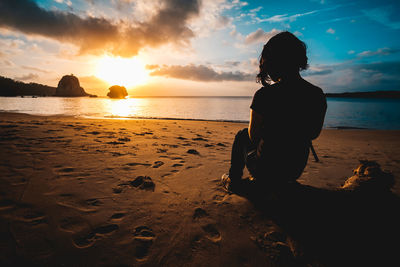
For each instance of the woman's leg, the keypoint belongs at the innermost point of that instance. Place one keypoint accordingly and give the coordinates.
(241, 146)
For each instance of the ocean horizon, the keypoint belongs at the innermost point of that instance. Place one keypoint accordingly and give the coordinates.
(342, 113)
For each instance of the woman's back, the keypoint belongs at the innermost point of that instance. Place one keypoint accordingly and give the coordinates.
(292, 114)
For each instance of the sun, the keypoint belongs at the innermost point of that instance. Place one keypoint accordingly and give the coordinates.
(129, 72)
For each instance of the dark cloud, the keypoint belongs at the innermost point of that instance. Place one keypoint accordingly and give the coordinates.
(27, 77)
(94, 35)
(200, 73)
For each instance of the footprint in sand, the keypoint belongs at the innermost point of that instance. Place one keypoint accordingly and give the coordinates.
(87, 240)
(177, 165)
(93, 202)
(193, 152)
(143, 182)
(143, 238)
(199, 139)
(66, 170)
(115, 143)
(118, 216)
(157, 164)
(94, 133)
(199, 213)
(71, 201)
(137, 164)
(6, 204)
(161, 150)
(117, 190)
(212, 233)
(106, 229)
(73, 224)
(27, 214)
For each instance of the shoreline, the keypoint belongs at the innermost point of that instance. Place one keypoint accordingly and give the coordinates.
(178, 119)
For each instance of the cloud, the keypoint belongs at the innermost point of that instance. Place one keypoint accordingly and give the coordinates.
(351, 77)
(152, 67)
(97, 34)
(260, 36)
(35, 69)
(380, 52)
(8, 63)
(286, 17)
(349, 18)
(383, 15)
(27, 77)
(290, 18)
(314, 71)
(297, 33)
(199, 73)
(331, 31)
(231, 63)
(67, 2)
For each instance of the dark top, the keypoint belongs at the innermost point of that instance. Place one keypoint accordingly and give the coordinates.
(293, 114)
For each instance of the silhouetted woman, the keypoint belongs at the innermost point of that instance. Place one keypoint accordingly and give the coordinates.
(285, 115)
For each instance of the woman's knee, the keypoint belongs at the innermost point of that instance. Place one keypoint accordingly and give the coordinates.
(243, 134)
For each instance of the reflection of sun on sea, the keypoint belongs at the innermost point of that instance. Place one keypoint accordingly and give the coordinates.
(127, 72)
(124, 107)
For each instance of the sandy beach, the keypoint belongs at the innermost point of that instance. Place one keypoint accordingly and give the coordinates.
(116, 192)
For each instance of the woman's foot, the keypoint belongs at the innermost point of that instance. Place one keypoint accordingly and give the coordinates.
(226, 182)
(238, 186)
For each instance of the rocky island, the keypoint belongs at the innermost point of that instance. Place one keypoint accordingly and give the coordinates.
(69, 86)
(117, 91)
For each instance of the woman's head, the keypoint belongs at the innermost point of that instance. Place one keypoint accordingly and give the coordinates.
(284, 55)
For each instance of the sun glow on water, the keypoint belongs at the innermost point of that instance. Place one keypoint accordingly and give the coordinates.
(130, 107)
(127, 72)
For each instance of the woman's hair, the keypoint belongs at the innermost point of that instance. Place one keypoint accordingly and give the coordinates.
(282, 55)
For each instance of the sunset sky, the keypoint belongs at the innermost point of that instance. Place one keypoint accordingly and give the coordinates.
(196, 47)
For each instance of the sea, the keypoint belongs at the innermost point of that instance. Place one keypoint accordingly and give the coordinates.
(342, 113)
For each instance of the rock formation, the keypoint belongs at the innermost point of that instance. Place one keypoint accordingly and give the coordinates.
(117, 91)
(69, 86)
(368, 177)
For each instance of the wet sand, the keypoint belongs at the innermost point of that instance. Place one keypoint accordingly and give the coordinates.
(108, 192)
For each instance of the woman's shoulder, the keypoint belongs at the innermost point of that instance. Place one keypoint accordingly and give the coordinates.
(261, 91)
(264, 92)
(312, 88)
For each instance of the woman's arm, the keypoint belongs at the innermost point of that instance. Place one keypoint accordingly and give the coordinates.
(255, 126)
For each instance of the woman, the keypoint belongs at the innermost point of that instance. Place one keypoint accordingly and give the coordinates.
(285, 115)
